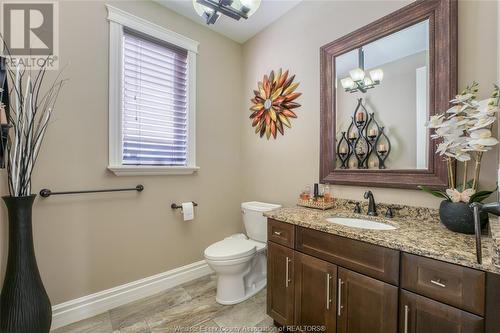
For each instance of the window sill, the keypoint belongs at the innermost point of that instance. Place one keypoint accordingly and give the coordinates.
(133, 170)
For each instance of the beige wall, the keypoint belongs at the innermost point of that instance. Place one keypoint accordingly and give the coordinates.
(277, 170)
(88, 243)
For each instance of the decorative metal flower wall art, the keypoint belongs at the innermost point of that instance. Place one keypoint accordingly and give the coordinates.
(273, 104)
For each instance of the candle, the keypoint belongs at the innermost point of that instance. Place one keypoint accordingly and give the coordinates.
(373, 164)
(381, 148)
(326, 193)
(3, 116)
(343, 150)
(372, 132)
(352, 135)
(360, 116)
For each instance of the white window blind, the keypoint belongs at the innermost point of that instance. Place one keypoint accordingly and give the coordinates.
(154, 102)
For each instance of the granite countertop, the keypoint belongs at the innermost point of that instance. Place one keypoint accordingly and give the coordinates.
(418, 232)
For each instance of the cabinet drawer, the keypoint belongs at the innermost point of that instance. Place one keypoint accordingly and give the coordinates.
(452, 284)
(372, 260)
(418, 314)
(280, 232)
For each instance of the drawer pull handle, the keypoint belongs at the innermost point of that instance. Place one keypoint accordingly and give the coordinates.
(328, 299)
(277, 233)
(339, 295)
(438, 283)
(287, 274)
(407, 311)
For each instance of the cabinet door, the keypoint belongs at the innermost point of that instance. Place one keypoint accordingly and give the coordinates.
(419, 314)
(280, 283)
(315, 292)
(365, 304)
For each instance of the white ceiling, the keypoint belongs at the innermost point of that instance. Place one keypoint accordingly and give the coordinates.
(242, 30)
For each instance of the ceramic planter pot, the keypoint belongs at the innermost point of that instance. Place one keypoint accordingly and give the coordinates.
(459, 217)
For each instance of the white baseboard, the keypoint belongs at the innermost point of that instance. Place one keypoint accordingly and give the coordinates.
(91, 305)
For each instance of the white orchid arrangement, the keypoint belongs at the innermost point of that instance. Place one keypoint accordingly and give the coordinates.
(465, 133)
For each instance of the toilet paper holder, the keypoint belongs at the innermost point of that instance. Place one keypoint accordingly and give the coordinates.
(176, 206)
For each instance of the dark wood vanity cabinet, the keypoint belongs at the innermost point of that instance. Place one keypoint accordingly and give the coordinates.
(280, 283)
(420, 314)
(315, 292)
(348, 286)
(365, 304)
(458, 286)
(375, 261)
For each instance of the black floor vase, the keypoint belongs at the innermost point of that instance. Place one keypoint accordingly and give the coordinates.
(24, 304)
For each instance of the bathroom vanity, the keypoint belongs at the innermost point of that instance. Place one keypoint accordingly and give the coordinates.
(417, 278)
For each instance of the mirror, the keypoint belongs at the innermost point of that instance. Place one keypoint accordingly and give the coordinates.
(389, 77)
(379, 86)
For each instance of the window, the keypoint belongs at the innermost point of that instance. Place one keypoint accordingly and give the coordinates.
(152, 98)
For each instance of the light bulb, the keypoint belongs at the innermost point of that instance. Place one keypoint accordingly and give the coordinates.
(367, 81)
(253, 5)
(347, 83)
(377, 75)
(357, 74)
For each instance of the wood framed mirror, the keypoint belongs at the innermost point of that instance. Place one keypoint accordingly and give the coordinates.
(398, 70)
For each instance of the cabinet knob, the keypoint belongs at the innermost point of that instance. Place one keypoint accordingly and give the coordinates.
(277, 233)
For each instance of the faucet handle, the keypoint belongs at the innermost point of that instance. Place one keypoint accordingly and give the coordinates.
(367, 194)
(357, 208)
(389, 214)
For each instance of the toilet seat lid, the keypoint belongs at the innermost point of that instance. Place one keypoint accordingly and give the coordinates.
(230, 248)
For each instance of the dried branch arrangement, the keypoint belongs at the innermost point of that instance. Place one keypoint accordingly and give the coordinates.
(28, 115)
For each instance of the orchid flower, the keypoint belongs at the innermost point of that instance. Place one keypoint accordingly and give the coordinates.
(464, 130)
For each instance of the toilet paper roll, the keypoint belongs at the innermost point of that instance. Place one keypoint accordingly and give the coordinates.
(188, 211)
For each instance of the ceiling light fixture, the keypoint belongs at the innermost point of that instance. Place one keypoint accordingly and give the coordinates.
(211, 10)
(357, 79)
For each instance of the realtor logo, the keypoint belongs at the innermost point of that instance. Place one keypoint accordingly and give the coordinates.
(30, 32)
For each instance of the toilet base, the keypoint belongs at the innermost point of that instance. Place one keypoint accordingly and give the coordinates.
(240, 279)
(251, 292)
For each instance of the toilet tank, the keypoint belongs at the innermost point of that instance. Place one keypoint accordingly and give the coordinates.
(254, 219)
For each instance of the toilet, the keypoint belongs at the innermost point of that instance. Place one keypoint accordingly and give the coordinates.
(239, 261)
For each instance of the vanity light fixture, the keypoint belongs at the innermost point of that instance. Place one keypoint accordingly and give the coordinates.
(358, 80)
(211, 10)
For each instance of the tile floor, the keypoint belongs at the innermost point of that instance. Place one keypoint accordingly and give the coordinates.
(188, 308)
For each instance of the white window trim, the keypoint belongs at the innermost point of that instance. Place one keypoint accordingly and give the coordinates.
(117, 20)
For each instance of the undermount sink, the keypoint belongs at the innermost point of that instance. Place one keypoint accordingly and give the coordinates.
(360, 223)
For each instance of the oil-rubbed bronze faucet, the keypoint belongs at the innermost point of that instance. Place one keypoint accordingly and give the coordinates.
(492, 208)
(372, 206)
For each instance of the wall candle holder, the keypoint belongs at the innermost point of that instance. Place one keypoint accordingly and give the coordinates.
(344, 152)
(381, 150)
(364, 139)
